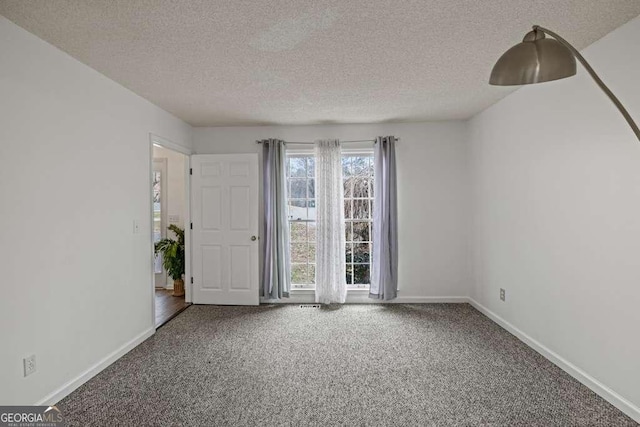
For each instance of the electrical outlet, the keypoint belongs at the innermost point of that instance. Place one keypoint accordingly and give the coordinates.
(29, 365)
(503, 294)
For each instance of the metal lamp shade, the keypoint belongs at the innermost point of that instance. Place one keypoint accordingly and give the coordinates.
(537, 59)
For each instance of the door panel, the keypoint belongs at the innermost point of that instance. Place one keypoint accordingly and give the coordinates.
(224, 203)
(212, 267)
(211, 208)
(240, 199)
(240, 277)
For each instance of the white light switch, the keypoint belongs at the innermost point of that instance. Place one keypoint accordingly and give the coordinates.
(29, 364)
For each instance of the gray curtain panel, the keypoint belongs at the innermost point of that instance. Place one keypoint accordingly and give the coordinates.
(276, 282)
(384, 262)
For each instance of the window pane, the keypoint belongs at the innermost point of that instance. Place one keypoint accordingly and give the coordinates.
(312, 274)
(312, 252)
(157, 180)
(360, 165)
(361, 209)
(361, 274)
(298, 231)
(299, 252)
(297, 209)
(311, 167)
(347, 209)
(311, 213)
(311, 188)
(298, 188)
(312, 231)
(347, 232)
(349, 276)
(299, 274)
(298, 203)
(157, 206)
(297, 167)
(348, 187)
(346, 166)
(361, 231)
(360, 186)
(360, 252)
(348, 252)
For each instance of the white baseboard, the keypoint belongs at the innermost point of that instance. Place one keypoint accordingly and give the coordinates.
(67, 388)
(596, 386)
(427, 300)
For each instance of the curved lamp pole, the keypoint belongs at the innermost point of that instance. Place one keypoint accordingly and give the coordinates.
(539, 59)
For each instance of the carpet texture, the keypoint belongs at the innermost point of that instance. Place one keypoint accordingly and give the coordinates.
(392, 365)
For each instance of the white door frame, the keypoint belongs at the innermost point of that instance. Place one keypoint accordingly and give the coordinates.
(165, 143)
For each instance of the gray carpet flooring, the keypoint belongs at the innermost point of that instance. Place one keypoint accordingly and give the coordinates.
(392, 365)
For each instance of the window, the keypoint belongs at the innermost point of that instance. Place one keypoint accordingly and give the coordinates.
(302, 216)
(358, 203)
(157, 207)
(357, 174)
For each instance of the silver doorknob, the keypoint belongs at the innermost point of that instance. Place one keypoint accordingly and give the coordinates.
(254, 238)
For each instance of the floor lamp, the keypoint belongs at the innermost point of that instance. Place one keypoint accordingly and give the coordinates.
(539, 59)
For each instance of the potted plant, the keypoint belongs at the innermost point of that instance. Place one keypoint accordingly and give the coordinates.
(173, 258)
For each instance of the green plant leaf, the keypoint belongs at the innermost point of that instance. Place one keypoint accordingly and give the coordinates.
(172, 252)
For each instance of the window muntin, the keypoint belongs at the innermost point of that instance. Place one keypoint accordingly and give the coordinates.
(358, 202)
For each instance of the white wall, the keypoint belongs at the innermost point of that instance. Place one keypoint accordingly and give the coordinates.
(555, 172)
(74, 175)
(432, 193)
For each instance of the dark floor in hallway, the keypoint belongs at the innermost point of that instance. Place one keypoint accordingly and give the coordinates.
(167, 306)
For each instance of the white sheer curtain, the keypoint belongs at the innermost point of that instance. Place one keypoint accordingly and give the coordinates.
(331, 286)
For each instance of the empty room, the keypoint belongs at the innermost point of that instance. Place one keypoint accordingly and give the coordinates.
(367, 213)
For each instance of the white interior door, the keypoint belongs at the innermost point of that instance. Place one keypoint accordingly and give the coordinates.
(224, 203)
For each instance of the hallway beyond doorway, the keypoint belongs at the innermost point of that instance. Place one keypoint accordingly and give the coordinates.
(168, 306)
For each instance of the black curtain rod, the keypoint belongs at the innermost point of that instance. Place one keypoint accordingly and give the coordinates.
(313, 142)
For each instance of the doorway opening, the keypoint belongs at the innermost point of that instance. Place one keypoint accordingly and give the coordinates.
(169, 225)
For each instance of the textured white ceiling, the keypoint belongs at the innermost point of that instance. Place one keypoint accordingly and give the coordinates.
(239, 62)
